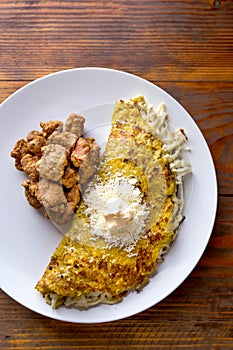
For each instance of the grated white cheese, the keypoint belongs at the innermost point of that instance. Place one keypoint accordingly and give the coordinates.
(116, 211)
(173, 141)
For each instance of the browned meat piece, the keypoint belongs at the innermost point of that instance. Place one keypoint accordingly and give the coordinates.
(19, 151)
(49, 127)
(88, 166)
(53, 161)
(36, 144)
(29, 165)
(80, 152)
(59, 205)
(70, 177)
(65, 139)
(51, 166)
(85, 156)
(35, 141)
(73, 197)
(32, 134)
(75, 124)
(32, 193)
(61, 220)
(32, 200)
(52, 196)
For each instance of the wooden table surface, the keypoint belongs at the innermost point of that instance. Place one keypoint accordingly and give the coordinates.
(186, 48)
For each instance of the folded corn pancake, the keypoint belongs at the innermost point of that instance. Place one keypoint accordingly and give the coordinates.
(129, 213)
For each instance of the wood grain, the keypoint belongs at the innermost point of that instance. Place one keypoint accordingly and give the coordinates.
(186, 48)
(164, 40)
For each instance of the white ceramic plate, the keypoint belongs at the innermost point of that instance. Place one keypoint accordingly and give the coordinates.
(28, 239)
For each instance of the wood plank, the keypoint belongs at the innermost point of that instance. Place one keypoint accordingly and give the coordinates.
(190, 317)
(164, 40)
(218, 255)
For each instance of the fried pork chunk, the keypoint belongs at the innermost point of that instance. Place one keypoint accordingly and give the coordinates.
(31, 190)
(74, 124)
(54, 174)
(19, 151)
(83, 156)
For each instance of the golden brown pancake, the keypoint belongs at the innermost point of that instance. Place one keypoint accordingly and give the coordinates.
(128, 216)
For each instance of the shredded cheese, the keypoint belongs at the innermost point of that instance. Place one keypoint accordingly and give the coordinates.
(116, 211)
(173, 146)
